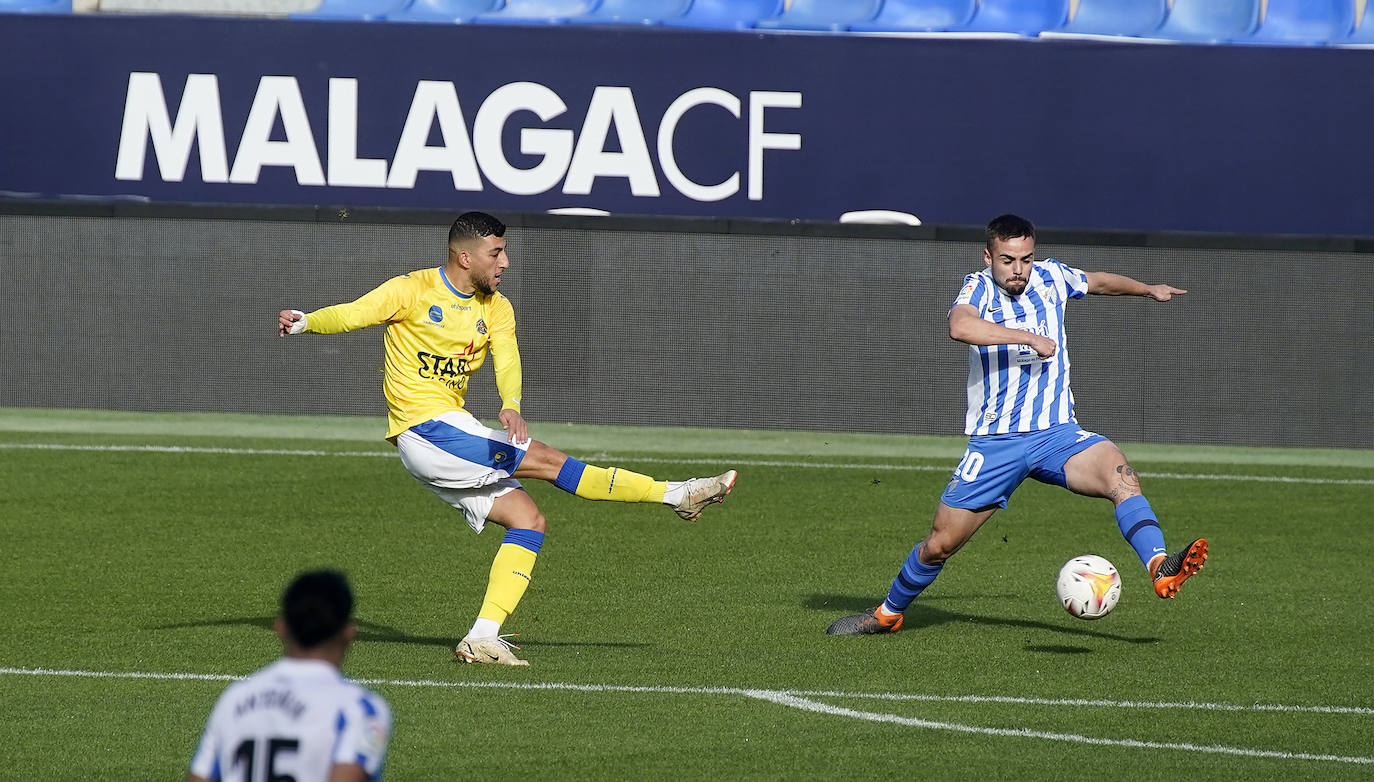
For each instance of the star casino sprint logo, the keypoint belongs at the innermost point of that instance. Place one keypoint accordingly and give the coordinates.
(452, 371)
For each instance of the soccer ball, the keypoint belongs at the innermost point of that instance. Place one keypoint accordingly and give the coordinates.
(1088, 586)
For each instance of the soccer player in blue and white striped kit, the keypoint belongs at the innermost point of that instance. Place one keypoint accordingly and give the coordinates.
(300, 718)
(1020, 419)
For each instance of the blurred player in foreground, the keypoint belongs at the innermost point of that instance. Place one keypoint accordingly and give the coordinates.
(300, 718)
(440, 324)
(1020, 419)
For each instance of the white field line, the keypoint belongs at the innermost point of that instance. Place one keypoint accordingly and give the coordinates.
(796, 702)
(653, 460)
(801, 699)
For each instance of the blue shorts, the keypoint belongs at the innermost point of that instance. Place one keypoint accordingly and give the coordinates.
(995, 464)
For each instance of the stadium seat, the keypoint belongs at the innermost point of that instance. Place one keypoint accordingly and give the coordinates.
(633, 12)
(1210, 20)
(442, 11)
(880, 217)
(1363, 34)
(536, 12)
(35, 6)
(1024, 17)
(1306, 22)
(919, 16)
(833, 15)
(726, 14)
(1117, 17)
(357, 10)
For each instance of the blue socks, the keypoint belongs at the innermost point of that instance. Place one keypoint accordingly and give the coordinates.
(1138, 526)
(911, 580)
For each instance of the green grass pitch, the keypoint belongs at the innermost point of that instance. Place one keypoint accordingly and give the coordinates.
(141, 558)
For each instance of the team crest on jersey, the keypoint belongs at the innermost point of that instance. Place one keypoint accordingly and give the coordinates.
(966, 294)
(481, 326)
(436, 313)
(499, 456)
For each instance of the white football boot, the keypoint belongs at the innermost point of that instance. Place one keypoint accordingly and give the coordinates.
(701, 492)
(495, 651)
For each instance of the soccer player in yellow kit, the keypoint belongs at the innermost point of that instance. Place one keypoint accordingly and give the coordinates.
(440, 325)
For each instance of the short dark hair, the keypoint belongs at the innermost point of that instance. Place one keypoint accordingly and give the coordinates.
(471, 226)
(316, 607)
(1007, 227)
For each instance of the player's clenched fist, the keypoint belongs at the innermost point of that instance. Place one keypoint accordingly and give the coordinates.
(290, 322)
(1044, 347)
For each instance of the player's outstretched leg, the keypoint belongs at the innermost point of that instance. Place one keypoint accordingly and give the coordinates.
(1101, 470)
(1170, 571)
(689, 498)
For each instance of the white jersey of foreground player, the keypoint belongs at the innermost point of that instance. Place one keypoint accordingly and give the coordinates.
(295, 718)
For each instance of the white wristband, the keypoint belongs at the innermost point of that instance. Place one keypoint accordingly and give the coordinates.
(299, 325)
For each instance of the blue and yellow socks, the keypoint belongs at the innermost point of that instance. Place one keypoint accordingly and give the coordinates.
(601, 483)
(510, 576)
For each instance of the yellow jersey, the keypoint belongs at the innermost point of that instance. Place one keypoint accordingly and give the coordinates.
(436, 339)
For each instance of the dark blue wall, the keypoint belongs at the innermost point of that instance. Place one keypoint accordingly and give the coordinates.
(1234, 139)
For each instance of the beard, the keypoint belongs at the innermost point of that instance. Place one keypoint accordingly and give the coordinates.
(483, 285)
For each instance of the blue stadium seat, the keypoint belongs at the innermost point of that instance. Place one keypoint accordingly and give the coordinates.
(633, 12)
(357, 10)
(442, 11)
(536, 12)
(833, 15)
(35, 6)
(1210, 20)
(1117, 17)
(1026, 17)
(1363, 34)
(919, 16)
(726, 14)
(1306, 22)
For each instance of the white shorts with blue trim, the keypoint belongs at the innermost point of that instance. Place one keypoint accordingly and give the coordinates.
(468, 465)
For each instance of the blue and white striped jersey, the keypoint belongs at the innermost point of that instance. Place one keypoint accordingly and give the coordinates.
(294, 719)
(1010, 389)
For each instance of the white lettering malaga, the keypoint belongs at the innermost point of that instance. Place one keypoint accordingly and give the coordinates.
(278, 96)
(574, 159)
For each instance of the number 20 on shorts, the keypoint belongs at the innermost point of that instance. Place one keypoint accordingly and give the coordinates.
(969, 466)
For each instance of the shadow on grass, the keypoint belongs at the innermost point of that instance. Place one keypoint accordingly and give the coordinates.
(368, 632)
(371, 632)
(1059, 649)
(922, 615)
